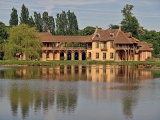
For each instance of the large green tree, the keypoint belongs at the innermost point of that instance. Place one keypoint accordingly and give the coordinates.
(51, 25)
(3, 37)
(72, 27)
(31, 22)
(89, 30)
(38, 21)
(23, 40)
(24, 15)
(66, 23)
(61, 23)
(129, 22)
(111, 26)
(45, 22)
(14, 17)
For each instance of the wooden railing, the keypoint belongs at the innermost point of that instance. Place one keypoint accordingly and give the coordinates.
(64, 48)
(124, 48)
(104, 49)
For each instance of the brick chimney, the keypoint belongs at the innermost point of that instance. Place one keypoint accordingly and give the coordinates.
(120, 28)
(96, 27)
(49, 31)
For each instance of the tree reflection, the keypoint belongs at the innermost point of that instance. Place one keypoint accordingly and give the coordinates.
(66, 101)
(25, 98)
(14, 95)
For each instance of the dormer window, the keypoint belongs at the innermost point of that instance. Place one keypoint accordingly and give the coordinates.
(111, 35)
(97, 35)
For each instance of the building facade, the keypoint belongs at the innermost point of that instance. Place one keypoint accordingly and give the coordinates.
(104, 45)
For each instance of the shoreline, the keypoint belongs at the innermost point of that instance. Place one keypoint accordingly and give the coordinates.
(137, 64)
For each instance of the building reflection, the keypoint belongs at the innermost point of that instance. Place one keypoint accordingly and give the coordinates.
(93, 73)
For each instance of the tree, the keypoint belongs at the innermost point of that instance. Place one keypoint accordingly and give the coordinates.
(38, 21)
(61, 23)
(2, 24)
(66, 23)
(31, 22)
(45, 21)
(23, 41)
(14, 17)
(129, 22)
(24, 15)
(51, 25)
(72, 23)
(89, 30)
(3, 37)
(111, 26)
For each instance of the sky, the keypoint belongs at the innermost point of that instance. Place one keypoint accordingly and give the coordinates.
(94, 13)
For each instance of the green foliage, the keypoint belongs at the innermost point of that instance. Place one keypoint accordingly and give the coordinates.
(24, 41)
(89, 30)
(111, 26)
(14, 17)
(129, 22)
(31, 22)
(24, 15)
(38, 21)
(3, 37)
(66, 23)
(51, 25)
(3, 34)
(45, 21)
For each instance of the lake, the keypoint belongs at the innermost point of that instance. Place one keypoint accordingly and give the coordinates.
(69, 92)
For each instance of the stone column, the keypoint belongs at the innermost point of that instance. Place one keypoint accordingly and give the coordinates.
(44, 56)
(65, 55)
(72, 55)
(50, 56)
(80, 55)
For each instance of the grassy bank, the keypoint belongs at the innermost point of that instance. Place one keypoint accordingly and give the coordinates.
(75, 62)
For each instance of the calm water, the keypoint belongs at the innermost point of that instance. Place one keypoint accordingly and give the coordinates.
(94, 92)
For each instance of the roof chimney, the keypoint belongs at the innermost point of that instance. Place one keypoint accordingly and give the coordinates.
(120, 28)
(96, 27)
(49, 31)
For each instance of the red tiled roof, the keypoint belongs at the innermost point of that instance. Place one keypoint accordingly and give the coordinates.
(145, 46)
(105, 35)
(123, 39)
(48, 37)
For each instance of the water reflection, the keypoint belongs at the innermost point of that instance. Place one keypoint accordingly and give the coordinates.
(42, 88)
(94, 73)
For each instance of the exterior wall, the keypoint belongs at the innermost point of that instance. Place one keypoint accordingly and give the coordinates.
(144, 55)
(51, 53)
(43, 56)
(108, 50)
(57, 56)
(136, 57)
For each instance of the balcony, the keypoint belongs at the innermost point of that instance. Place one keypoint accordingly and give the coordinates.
(64, 48)
(104, 49)
(124, 48)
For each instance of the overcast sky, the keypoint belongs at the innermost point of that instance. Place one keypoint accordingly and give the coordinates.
(99, 13)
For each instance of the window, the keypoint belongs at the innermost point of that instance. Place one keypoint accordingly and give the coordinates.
(97, 44)
(111, 55)
(47, 44)
(111, 44)
(104, 56)
(97, 35)
(104, 45)
(97, 55)
(111, 34)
